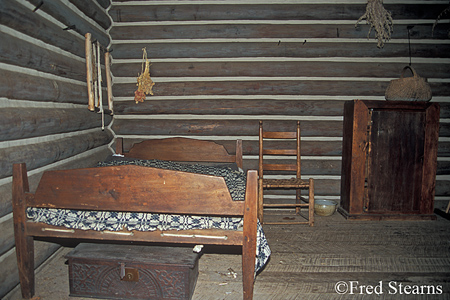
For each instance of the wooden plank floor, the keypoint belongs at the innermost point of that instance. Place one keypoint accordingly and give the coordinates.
(395, 258)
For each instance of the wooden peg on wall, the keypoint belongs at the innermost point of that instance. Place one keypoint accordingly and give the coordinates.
(89, 71)
(108, 82)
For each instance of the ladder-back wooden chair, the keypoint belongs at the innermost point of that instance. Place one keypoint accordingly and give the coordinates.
(267, 149)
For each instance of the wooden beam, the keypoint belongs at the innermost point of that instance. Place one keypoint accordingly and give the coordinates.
(76, 22)
(186, 127)
(233, 107)
(16, 16)
(254, 30)
(41, 154)
(23, 53)
(39, 88)
(20, 123)
(91, 10)
(303, 48)
(294, 67)
(263, 11)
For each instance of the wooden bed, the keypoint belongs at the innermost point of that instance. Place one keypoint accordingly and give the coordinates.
(131, 188)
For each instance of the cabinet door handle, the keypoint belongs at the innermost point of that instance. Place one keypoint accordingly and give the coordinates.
(364, 146)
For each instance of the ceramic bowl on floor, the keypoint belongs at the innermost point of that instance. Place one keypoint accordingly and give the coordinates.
(324, 207)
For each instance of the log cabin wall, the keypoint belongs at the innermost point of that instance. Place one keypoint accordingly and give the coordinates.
(44, 120)
(220, 66)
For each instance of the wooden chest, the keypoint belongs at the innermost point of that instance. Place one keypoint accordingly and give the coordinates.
(132, 271)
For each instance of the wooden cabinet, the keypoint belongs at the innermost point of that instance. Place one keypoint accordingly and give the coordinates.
(389, 159)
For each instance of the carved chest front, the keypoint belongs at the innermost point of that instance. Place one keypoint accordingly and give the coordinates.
(132, 271)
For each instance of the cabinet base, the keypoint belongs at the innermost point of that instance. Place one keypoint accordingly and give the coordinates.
(386, 216)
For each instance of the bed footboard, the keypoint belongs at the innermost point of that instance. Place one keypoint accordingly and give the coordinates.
(25, 230)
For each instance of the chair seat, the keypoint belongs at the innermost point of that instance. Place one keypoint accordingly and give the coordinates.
(285, 183)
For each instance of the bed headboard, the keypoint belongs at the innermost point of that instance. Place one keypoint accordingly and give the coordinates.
(182, 149)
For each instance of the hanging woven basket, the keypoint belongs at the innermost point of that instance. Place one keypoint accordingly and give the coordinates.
(413, 88)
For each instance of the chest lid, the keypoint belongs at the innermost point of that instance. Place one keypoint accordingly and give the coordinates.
(174, 256)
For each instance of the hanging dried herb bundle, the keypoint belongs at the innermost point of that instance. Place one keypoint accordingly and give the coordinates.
(379, 19)
(144, 82)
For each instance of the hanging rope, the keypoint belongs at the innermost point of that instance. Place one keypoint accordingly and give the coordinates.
(144, 82)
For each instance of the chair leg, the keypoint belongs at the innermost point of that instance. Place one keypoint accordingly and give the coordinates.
(311, 202)
(298, 200)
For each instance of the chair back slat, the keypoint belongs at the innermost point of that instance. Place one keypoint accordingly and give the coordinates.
(275, 149)
(279, 135)
(280, 151)
(279, 167)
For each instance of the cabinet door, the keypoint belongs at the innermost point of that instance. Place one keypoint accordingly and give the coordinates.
(395, 161)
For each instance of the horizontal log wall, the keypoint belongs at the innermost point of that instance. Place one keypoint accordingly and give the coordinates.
(44, 119)
(221, 66)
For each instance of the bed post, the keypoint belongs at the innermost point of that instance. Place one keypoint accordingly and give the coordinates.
(24, 243)
(250, 228)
